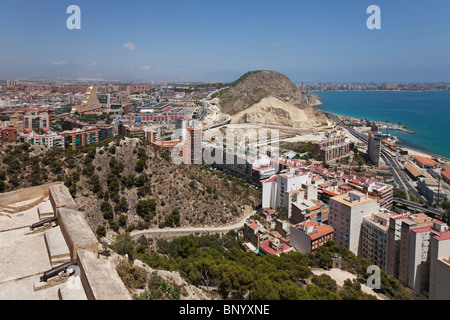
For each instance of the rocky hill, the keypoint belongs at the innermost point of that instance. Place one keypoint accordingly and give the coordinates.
(269, 97)
(126, 183)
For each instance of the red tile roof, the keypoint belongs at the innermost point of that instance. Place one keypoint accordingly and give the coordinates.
(271, 179)
(422, 229)
(285, 248)
(425, 160)
(322, 230)
(400, 217)
(443, 236)
(446, 174)
(330, 193)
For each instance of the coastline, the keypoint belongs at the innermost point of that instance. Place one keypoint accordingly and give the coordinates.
(411, 150)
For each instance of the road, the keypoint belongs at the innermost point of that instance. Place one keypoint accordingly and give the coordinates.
(191, 230)
(418, 207)
(401, 179)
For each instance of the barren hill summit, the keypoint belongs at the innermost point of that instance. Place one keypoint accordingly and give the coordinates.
(269, 97)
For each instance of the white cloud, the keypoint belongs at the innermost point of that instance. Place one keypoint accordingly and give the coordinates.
(93, 64)
(58, 63)
(144, 67)
(129, 46)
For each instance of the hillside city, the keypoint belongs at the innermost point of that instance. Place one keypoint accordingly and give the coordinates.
(336, 198)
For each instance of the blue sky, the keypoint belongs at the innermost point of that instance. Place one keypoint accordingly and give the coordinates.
(212, 40)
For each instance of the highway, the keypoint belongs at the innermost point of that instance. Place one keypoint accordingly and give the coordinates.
(400, 177)
(418, 207)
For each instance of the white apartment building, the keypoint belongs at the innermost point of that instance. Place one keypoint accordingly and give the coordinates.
(428, 251)
(440, 264)
(50, 140)
(346, 216)
(394, 237)
(275, 190)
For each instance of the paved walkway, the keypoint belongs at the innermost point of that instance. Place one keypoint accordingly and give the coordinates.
(191, 230)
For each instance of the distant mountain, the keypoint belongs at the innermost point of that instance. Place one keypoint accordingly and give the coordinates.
(269, 97)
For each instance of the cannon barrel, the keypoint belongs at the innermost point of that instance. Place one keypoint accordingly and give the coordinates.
(41, 223)
(57, 270)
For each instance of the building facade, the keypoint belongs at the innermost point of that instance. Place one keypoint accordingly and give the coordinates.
(8, 134)
(80, 137)
(440, 263)
(346, 216)
(332, 149)
(50, 139)
(307, 236)
(374, 238)
(36, 120)
(374, 145)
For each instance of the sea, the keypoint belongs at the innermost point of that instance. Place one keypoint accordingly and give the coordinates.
(426, 113)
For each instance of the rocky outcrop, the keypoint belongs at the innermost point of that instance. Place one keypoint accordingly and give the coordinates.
(269, 97)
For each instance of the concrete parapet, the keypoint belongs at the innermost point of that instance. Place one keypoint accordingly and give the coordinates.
(76, 232)
(60, 197)
(26, 194)
(99, 278)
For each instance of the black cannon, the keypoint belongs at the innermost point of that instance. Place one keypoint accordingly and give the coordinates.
(57, 270)
(43, 222)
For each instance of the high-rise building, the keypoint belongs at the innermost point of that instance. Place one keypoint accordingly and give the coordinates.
(193, 145)
(408, 245)
(420, 255)
(374, 148)
(190, 132)
(394, 237)
(12, 83)
(440, 263)
(346, 216)
(332, 149)
(374, 237)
